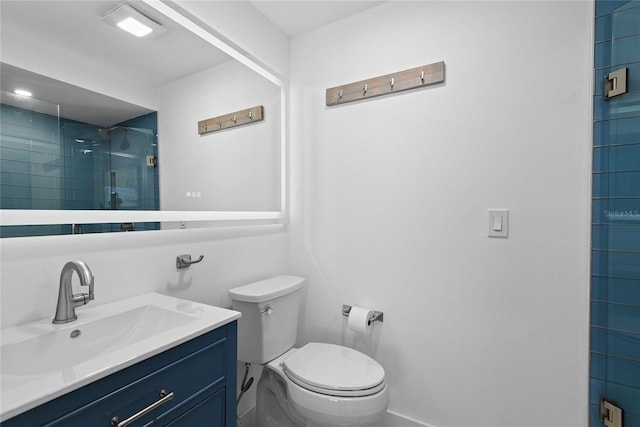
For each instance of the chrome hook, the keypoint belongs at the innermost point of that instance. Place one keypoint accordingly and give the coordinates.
(184, 261)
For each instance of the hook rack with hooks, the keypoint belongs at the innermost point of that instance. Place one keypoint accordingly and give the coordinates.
(226, 121)
(413, 78)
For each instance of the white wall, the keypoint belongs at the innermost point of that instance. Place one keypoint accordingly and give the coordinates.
(128, 264)
(390, 199)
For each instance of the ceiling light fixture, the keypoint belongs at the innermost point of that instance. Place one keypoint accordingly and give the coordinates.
(133, 22)
(23, 92)
(134, 27)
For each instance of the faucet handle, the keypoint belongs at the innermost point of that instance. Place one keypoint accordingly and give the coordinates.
(81, 299)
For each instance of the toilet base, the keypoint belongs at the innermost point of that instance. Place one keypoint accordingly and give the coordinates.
(274, 407)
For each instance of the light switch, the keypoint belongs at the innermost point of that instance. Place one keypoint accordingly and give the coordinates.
(498, 223)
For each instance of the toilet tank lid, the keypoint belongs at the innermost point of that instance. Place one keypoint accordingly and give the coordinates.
(266, 290)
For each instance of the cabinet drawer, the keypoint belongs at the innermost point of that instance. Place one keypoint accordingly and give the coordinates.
(209, 413)
(190, 379)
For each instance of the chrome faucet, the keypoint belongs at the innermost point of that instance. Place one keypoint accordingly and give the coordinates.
(67, 300)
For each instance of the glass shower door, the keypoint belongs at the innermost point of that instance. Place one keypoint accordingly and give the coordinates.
(615, 282)
(131, 182)
(111, 168)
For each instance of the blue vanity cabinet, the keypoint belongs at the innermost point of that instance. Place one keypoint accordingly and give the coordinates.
(195, 380)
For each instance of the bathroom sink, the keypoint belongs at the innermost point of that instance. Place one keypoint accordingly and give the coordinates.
(40, 361)
(77, 343)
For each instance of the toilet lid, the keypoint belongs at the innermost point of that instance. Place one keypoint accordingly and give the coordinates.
(334, 370)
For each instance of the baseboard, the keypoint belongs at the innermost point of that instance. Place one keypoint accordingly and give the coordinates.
(394, 419)
(390, 419)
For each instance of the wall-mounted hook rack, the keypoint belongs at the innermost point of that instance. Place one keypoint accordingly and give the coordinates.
(413, 78)
(226, 121)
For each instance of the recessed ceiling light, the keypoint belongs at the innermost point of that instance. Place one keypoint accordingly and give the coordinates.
(133, 22)
(22, 92)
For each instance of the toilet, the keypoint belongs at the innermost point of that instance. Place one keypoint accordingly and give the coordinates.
(316, 385)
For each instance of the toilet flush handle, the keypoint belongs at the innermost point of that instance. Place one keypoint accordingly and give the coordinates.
(267, 311)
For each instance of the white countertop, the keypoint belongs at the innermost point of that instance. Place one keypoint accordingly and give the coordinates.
(28, 383)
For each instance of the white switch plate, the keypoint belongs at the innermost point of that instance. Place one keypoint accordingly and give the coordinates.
(498, 223)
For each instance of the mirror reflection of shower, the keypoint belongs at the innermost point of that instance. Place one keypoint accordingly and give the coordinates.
(120, 133)
(113, 167)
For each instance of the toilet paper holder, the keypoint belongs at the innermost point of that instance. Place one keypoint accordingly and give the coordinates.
(375, 316)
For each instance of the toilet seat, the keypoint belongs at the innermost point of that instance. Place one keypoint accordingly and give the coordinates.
(334, 370)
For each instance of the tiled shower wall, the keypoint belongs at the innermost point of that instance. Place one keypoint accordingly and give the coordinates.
(615, 282)
(32, 175)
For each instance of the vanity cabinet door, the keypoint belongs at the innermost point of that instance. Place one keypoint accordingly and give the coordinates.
(170, 390)
(208, 413)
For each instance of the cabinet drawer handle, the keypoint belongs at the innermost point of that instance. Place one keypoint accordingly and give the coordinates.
(164, 398)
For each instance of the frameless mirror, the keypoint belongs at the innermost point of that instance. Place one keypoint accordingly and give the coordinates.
(127, 131)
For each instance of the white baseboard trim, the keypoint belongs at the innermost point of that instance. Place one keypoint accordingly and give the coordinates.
(391, 419)
(408, 420)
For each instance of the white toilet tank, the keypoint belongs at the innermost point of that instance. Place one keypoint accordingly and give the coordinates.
(269, 322)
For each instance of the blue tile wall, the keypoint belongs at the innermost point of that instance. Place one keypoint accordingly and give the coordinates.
(623, 131)
(615, 282)
(51, 163)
